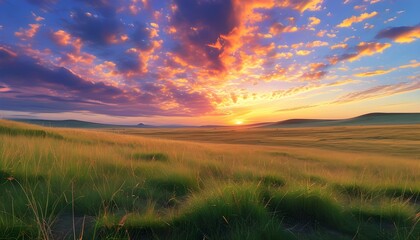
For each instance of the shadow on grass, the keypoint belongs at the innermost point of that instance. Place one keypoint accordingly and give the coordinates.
(28, 132)
(354, 190)
(307, 207)
(232, 213)
(150, 157)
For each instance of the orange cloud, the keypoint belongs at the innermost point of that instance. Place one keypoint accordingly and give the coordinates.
(369, 49)
(401, 34)
(286, 55)
(83, 58)
(62, 38)
(316, 44)
(297, 108)
(374, 73)
(362, 49)
(313, 21)
(296, 45)
(356, 19)
(309, 87)
(217, 45)
(412, 64)
(25, 34)
(340, 45)
(9, 52)
(278, 28)
(313, 75)
(303, 52)
(321, 33)
(316, 66)
(302, 5)
(380, 91)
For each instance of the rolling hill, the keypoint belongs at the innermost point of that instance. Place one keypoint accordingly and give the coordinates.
(362, 120)
(77, 124)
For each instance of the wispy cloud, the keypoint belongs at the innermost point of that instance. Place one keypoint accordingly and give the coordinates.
(380, 92)
(356, 19)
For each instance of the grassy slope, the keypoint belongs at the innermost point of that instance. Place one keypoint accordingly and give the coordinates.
(363, 120)
(115, 186)
(402, 140)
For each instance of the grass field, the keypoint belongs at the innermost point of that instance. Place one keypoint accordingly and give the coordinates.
(225, 183)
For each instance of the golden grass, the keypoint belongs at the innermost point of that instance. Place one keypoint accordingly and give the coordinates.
(369, 172)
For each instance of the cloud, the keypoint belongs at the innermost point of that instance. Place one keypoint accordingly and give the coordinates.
(356, 19)
(278, 28)
(303, 52)
(339, 45)
(313, 21)
(97, 30)
(404, 34)
(183, 56)
(302, 5)
(297, 108)
(380, 91)
(131, 48)
(316, 44)
(142, 37)
(412, 64)
(199, 25)
(59, 89)
(313, 75)
(26, 34)
(374, 73)
(309, 87)
(78, 58)
(57, 78)
(129, 62)
(361, 50)
(369, 49)
(61, 37)
(371, 93)
(317, 66)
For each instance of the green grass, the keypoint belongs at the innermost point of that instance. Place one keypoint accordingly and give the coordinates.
(27, 132)
(150, 156)
(114, 186)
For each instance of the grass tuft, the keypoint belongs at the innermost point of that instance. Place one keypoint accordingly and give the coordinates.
(272, 181)
(150, 156)
(233, 212)
(306, 206)
(178, 185)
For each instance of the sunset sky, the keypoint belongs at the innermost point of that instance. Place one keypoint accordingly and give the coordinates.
(208, 61)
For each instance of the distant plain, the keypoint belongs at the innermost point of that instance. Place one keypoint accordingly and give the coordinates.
(342, 182)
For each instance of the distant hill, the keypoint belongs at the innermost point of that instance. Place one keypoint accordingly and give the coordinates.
(366, 119)
(77, 124)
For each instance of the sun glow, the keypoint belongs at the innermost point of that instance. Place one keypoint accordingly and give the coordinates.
(239, 122)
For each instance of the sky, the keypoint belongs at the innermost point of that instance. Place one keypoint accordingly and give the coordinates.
(200, 62)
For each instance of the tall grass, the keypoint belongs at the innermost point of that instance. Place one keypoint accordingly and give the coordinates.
(102, 185)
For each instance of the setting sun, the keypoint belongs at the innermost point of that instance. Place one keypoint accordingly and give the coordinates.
(239, 122)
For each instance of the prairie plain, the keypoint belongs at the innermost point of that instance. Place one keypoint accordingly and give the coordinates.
(210, 183)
